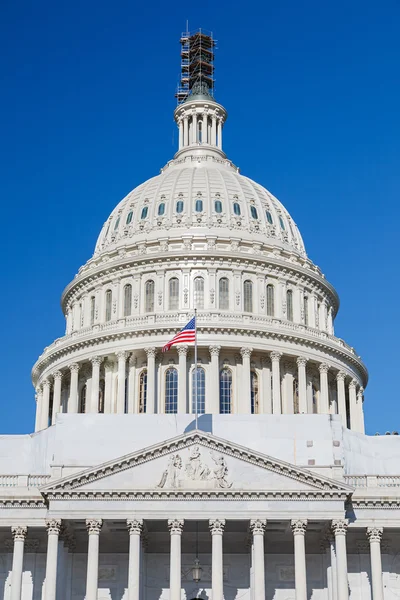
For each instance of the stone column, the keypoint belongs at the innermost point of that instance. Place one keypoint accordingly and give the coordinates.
(194, 128)
(214, 130)
(53, 531)
(180, 125)
(56, 395)
(182, 377)
(333, 565)
(19, 535)
(135, 528)
(245, 400)
(151, 380)
(220, 134)
(132, 407)
(44, 413)
(339, 528)
(121, 356)
(353, 405)
(324, 390)
(185, 131)
(175, 528)
(217, 561)
(204, 129)
(257, 527)
(73, 389)
(212, 402)
(266, 395)
(39, 403)
(360, 412)
(374, 535)
(93, 526)
(341, 397)
(299, 529)
(276, 383)
(302, 380)
(94, 400)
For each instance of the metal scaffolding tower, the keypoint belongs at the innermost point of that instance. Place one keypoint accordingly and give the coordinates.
(197, 63)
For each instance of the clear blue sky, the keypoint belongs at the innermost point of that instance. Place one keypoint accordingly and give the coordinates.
(87, 95)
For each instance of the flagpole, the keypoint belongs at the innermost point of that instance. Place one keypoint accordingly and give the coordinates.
(195, 365)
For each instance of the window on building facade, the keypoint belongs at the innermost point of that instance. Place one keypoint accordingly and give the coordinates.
(171, 390)
(127, 300)
(218, 206)
(82, 400)
(248, 296)
(145, 211)
(161, 209)
(92, 309)
(199, 206)
(129, 218)
(305, 308)
(236, 208)
(254, 398)
(269, 217)
(289, 305)
(173, 293)
(315, 395)
(179, 206)
(142, 391)
(225, 391)
(296, 408)
(199, 293)
(117, 223)
(201, 391)
(149, 296)
(108, 305)
(224, 293)
(270, 300)
(253, 212)
(282, 224)
(102, 390)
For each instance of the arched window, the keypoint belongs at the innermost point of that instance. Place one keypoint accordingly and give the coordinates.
(102, 388)
(117, 223)
(253, 212)
(92, 309)
(225, 391)
(296, 409)
(82, 400)
(179, 206)
(315, 395)
(161, 209)
(173, 293)
(289, 305)
(199, 292)
(269, 217)
(142, 391)
(199, 205)
(236, 208)
(108, 305)
(149, 296)
(218, 206)
(127, 300)
(282, 224)
(171, 390)
(145, 210)
(254, 393)
(305, 308)
(201, 391)
(224, 293)
(248, 296)
(270, 300)
(129, 218)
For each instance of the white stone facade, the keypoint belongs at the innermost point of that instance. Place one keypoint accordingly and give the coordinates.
(277, 494)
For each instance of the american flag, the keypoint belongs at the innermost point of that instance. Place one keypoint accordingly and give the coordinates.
(186, 335)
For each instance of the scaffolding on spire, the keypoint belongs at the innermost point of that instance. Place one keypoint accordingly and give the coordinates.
(197, 63)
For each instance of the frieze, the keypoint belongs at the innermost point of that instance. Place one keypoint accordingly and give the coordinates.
(196, 471)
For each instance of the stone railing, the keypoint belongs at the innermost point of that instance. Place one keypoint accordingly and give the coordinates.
(373, 481)
(12, 481)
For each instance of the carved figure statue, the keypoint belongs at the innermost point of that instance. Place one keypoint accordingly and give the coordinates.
(170, 477)
(221, 471)
(195, 469)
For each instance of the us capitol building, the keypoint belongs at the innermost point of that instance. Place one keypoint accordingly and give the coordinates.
(278, 494)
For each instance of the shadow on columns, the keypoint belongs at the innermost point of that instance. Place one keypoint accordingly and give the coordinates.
(204, 423)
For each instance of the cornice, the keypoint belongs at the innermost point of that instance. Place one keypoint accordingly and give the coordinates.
(22, 503)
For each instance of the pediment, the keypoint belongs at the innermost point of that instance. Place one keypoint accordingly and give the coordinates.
(195, 463)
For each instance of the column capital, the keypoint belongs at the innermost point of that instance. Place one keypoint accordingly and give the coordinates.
(93, 526)
(360, 393)
(135, 526)
(340, 376)
(175, 526)
(96, 360)
(257, 526)
(46, 383)
(339, 526)
(151, 352)
(53, 526)
(323, 368)
(301, 361)
(214, 350)
(298, 526)
(246, 352)
(121, 355)
(57, 375)
(217, 526)
(353, 384)
(74, 368)
(19, 532)
(374, 534)
(182, 350)
(276, 356)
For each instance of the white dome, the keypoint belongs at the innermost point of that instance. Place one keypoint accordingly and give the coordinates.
(202, 194)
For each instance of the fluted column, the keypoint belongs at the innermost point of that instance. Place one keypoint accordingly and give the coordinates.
(299, 527)
(56, 395)
(121, 356)
(204, 129)
(353, 405)
(185, 131)
(151, 380)
(194, 128)
(19, 535)
(302, 379)
(213, 396)
(341, 396)
(135, 528)
(180, 125)
(182, 378)
(175, 529)
(53, 531)
(214, 130)
(219, 134)
(276, 383)
(360, 412)
(374, 535)
(132, 406)
(44, 413)
(324, 390)
(73, 390)
(93, 526)
(39, 403)
(339, 528)
(217, 560)
(257, 527)
(94, 401)
(245, 400)
(266, 396)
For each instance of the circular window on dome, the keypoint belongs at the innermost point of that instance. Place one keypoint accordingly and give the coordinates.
(218, 206)
(145, 210)
(117, 223)
(161, 209)
(129, 218)
(269, 217)
(282, 224)
(179, 206)
(199, 206)
(236, 208)
(254, 212)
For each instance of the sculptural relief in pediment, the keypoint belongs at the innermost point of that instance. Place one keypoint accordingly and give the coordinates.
(200, 469)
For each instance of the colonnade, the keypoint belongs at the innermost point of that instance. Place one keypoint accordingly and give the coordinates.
(200, 127)
(336, 533)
